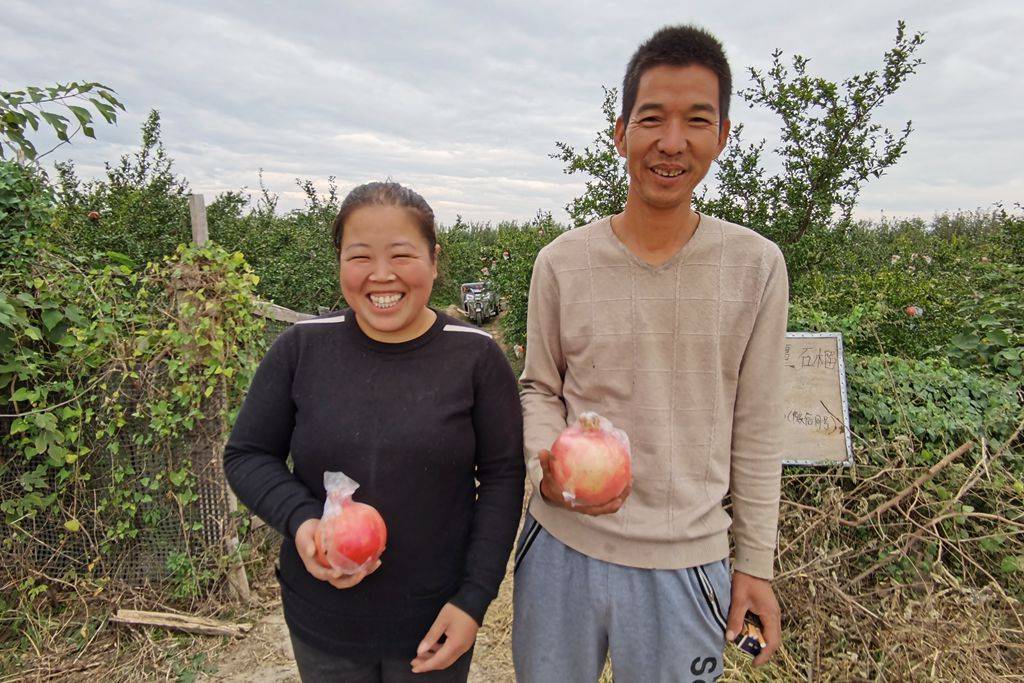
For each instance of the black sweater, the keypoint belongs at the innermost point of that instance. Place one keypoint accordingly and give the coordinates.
(414, 424)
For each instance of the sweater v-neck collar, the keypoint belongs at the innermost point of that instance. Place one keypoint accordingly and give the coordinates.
(700, 234)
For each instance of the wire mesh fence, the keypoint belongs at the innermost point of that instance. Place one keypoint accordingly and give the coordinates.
(125, 522)
(100, 541)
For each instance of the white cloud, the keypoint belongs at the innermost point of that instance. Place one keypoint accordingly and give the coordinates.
(465, 101)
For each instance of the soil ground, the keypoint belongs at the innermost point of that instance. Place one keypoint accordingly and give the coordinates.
(265, 653)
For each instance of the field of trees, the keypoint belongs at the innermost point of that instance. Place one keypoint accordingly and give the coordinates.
(118, 338)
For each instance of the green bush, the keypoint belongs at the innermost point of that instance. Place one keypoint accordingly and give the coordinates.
(876, 302)
(462, 258)
(510, 268)
(107, 370)
(142, 205)
(991, 339)
(292, 254)
(936, 405)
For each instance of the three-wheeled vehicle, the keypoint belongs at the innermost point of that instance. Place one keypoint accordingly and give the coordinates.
(479, 302)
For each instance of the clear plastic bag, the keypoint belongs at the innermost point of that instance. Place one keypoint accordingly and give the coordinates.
(351, 536)
(591, 461)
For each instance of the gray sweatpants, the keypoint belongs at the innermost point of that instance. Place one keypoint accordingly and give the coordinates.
(571, 610)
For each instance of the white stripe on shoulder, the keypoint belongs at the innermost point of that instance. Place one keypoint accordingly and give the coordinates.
(460, 328)
(322, 321)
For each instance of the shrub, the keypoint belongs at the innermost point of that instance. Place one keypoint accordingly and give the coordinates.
(936, 405)
(462, 258)
(510, 268)
(142, 205)
(292, 254)
(108, 372)
(991, 339)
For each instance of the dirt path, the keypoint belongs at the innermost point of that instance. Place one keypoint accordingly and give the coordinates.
(264, 655)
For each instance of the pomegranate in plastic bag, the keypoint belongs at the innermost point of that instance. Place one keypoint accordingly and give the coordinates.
(590, 461)
(351, 536)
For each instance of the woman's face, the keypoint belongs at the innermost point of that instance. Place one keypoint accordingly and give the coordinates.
(387, 272)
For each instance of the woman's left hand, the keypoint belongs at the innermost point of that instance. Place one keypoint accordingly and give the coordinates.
(459, 630)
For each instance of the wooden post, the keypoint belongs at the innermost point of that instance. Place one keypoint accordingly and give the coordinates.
(238, 581)
(197, 211)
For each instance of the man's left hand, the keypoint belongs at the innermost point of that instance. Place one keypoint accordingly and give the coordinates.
(751, 594)
(459, 630)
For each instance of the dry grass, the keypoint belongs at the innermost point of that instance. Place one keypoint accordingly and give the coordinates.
(883, 575)
(875, 580)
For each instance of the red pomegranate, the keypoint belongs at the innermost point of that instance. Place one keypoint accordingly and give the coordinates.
(590, 461)
(351, 540)
(351, 536)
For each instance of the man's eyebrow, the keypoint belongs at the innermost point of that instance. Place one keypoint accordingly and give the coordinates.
(401, 243)
(648, 107)
(355, 245)
(700, 106)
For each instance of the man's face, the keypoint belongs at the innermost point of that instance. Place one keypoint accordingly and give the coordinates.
(673, 134)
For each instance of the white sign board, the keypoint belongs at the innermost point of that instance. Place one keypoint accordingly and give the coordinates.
(815, 407)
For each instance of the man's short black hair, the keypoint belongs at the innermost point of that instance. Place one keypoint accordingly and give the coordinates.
(678, 46)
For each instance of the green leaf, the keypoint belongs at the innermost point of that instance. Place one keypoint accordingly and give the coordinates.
(23, 394)
(999, 337)
(57, 121)
(122, 259)
(51, 318)
(967, 342)
(73, 525)
(82, 114)
(988, 320)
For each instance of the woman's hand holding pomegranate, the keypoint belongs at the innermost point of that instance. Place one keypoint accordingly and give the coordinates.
(459, 631)
(305, 543)
(551, 492)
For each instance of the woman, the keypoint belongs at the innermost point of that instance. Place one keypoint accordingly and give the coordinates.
(417, 408)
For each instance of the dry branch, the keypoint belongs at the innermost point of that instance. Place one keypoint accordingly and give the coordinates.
(918, 483)
(181, 622)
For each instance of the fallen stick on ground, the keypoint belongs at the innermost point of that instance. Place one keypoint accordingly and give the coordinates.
(181, 622)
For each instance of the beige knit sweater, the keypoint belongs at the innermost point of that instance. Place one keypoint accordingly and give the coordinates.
(686, 358)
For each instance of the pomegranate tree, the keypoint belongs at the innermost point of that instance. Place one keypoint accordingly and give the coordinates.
(351, 536)
(590, 461)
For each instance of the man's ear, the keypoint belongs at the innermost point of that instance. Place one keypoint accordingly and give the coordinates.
(723, 135)
(620, 137)
(437, 252)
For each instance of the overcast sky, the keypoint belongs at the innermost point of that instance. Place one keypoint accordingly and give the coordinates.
(464, 101)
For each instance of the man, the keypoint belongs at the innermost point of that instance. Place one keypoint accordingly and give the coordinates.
(670, 324)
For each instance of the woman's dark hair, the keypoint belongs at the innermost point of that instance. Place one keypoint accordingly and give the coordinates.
(386, 194)
(678, 46)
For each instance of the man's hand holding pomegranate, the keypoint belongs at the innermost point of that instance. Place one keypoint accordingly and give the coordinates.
(553, 494)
